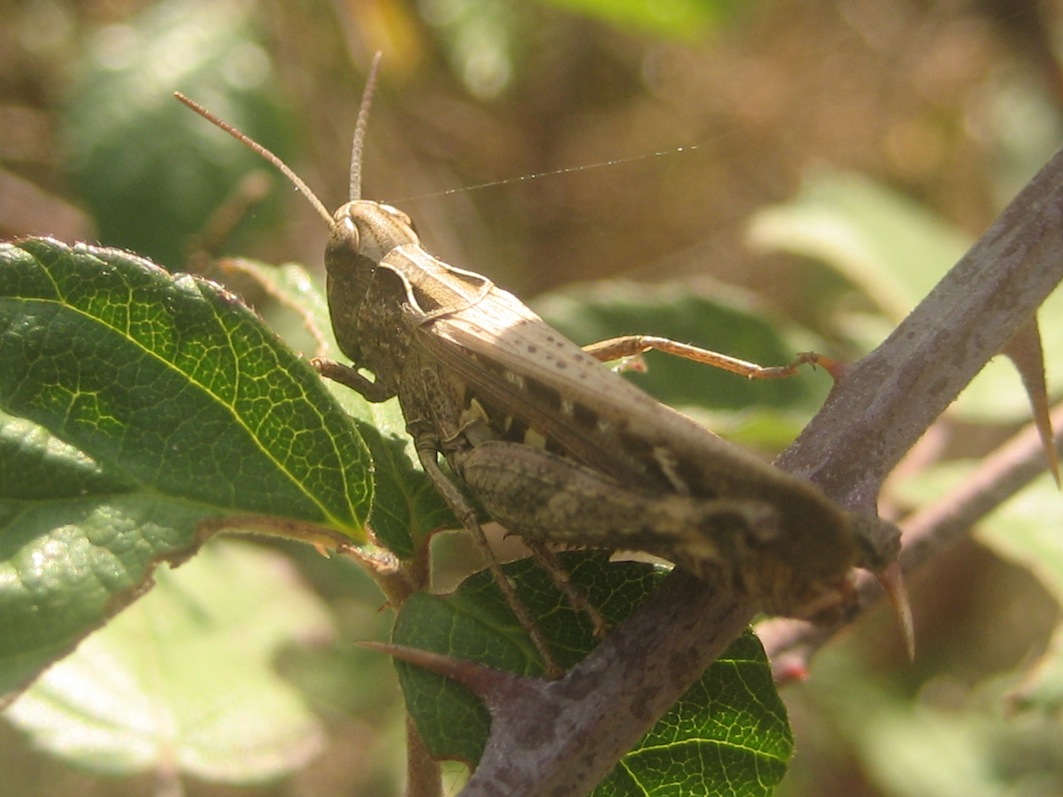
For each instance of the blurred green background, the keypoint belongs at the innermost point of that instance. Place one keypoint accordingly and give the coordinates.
(835, 159)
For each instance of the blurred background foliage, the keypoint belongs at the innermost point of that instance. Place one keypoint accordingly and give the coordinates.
(821, 164)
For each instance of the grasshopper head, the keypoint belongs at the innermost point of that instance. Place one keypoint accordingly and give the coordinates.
(363, 234)
(367, 229)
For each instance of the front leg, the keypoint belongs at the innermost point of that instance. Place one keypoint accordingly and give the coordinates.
(348, 376)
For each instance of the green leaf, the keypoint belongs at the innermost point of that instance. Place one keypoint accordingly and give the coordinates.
(882, 242)
(406, 507)
(476, 623)
(150, 170)
(680, 18)
(168, 403)
(731, 722)
(69, 561)
(916, 748)
(176, 384)
(1024, 530)
(728, 735)
(183, 680)
(958, 739)
(894, 251)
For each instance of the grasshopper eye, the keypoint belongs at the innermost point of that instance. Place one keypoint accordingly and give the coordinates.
(347, 234)
(344, 242)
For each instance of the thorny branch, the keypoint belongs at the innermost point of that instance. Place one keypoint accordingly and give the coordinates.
(883, 406)
(791, 643)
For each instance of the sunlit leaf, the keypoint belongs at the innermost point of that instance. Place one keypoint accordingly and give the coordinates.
(166, 403)
(183, 681)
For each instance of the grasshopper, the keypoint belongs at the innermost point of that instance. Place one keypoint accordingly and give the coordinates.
(552, 443)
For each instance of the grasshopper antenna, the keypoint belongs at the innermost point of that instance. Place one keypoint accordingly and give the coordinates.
(359, 129)
(254, 146)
